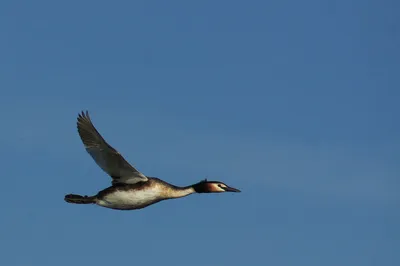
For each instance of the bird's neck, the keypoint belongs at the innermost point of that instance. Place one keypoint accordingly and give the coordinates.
(171, 191)
(179, 192)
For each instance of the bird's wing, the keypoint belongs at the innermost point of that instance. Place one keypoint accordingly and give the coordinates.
(109, 159)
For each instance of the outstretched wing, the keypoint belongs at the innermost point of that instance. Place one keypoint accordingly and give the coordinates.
(109, 159)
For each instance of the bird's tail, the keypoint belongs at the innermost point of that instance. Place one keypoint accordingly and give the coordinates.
(78, 199)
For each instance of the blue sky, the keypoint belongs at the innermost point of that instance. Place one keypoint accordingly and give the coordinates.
(294, 102)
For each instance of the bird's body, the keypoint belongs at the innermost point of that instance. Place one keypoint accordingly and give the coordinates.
(139, 195)
(130, 189)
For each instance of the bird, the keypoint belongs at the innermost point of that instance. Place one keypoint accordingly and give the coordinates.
(130, 189)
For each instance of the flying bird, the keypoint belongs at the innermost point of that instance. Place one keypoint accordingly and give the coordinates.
(130, 189)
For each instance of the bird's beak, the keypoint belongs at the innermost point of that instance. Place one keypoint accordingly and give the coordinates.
(231, 189)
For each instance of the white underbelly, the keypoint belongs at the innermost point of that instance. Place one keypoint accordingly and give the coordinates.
(130, 199)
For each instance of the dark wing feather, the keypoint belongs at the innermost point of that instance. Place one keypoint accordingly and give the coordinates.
(109, 159)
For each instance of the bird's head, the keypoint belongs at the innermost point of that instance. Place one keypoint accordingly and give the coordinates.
(213, 187)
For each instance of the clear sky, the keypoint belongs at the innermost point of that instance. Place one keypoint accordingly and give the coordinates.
(296, 103)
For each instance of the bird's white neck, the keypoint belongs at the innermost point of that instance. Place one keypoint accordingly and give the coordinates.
(180, 192)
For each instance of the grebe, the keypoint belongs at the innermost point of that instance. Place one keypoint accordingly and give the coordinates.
(130, 189)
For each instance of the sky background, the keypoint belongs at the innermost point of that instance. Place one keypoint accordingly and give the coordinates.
(296, 103)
